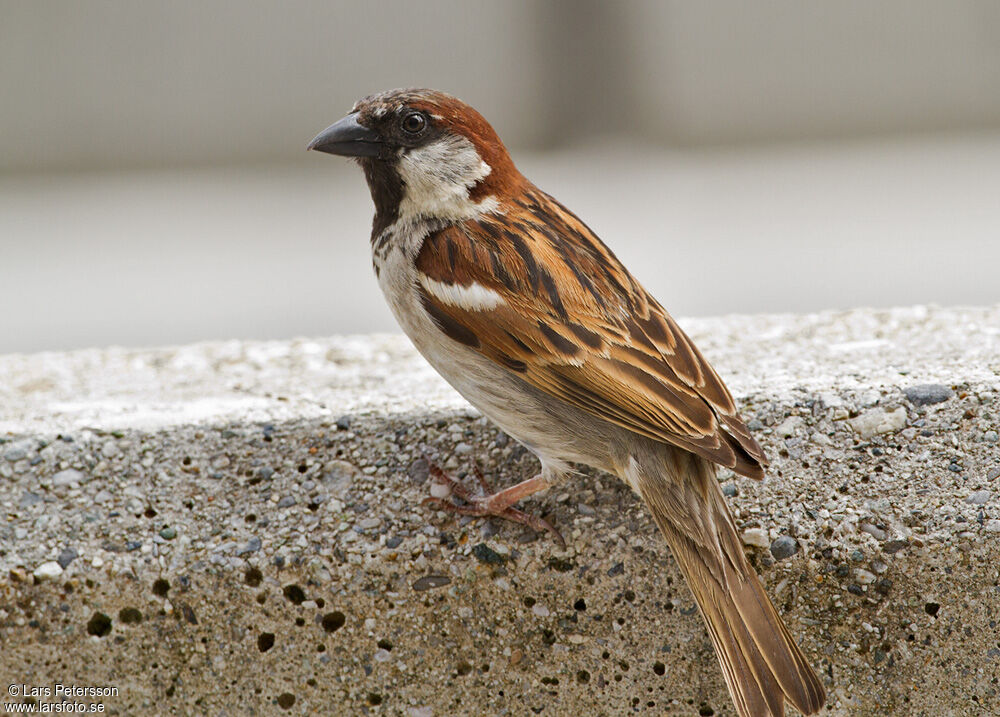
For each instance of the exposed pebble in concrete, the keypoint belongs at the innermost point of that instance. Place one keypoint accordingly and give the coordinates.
(757, 537)
(784, 547)
(48, 571)
(927, 394)
(980, 497)
(789, 426)
(878, 420)
(429, 582)
(252, 546)
(873, 530)
(68, 477)
(864, 577)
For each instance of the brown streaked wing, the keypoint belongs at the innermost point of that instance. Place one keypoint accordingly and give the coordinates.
(577, 325)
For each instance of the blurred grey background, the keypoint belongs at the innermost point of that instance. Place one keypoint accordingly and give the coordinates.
(739, 157)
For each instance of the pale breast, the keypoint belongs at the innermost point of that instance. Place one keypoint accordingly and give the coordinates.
(555, 432)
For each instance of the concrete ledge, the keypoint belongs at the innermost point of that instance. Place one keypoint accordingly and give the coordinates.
(235, 528)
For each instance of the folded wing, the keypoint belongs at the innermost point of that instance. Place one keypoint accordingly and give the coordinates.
(537, 292)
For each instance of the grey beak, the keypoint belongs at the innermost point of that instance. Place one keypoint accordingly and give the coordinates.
(347, 138)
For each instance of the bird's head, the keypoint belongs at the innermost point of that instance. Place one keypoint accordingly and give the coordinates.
(426, 156)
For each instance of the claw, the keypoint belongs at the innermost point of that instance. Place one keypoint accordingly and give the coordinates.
(443, 486)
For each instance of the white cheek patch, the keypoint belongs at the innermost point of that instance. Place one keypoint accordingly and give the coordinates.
(474, 297)
(438, 177)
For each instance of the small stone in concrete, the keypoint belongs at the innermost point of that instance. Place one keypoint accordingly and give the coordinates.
(66, 557)
(339, 475)
(68, 477)
(784, 547)
(48, 571)
(18, 451)
(878, 420)
(874, 531)
(926, 394)
(344, 423)
(788, 427)
(485, 554)
(993, 526)
(29, 499)
(893, 546)
(864, 577)
(757, 537)
(252, 546)
(991, 436)
(168, 533)
(427, 582)
(286, 502)
(980, 497)
(539, 610)
(382, 655)
(393, 542)
(419, 470)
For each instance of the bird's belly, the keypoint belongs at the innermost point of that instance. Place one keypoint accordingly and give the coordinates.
(548, 427)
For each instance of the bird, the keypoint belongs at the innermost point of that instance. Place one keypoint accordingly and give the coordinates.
(533, 320)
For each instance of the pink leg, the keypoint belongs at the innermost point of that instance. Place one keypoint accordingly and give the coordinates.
(499, 504)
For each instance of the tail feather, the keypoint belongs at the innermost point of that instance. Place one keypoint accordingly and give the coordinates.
(760, 661)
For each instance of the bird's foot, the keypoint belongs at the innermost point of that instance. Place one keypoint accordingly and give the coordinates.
(492, 503)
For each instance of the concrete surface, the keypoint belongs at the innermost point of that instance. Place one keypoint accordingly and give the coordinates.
(235, 528)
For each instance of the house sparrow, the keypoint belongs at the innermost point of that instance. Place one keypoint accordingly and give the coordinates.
(521, 308)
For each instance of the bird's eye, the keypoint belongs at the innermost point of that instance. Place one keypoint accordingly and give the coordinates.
(414, 123)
